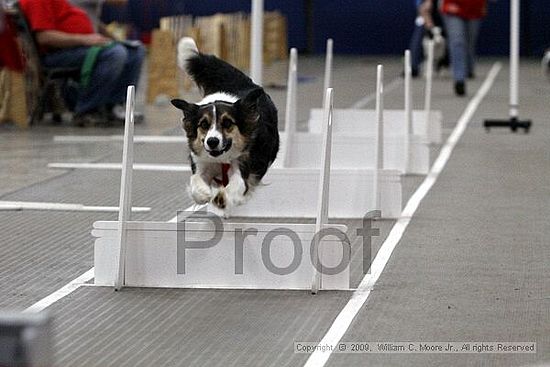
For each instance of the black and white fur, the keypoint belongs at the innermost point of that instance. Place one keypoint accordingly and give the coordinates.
(235, 123)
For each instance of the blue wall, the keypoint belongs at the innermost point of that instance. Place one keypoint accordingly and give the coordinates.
(357, 26)
(364, 27)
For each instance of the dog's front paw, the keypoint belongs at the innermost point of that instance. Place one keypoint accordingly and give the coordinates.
(235, 191)
(220, 200)
(199, 190)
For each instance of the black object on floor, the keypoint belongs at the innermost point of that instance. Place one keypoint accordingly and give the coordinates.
(513, 123)
(460, 88)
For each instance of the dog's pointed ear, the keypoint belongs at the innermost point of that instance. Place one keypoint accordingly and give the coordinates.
(250, 101)
(188, 109)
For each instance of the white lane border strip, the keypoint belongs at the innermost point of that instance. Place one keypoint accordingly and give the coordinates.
(161, 139)
(74, 284)
(359, 297)
(118, 166)
(69, 288)
(31, 205)
(363, 102)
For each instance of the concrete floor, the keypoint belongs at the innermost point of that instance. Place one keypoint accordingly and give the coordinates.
(471, 266)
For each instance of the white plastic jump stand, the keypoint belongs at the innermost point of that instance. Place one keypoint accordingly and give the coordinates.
(429, 121)
(379, 153)
(429, 81)
(256, 41)
(205, 252)
(125, 187)
(324, 189)
(514, 122)
(290, 111)
(408, 109)
(327, 82)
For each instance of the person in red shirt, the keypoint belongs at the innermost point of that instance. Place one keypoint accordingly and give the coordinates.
(67, 38)
(462, 20)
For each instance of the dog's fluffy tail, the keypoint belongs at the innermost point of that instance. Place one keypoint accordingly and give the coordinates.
(187, 48)
(210, 73)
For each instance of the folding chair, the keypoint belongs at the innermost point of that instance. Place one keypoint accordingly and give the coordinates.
(41, 80)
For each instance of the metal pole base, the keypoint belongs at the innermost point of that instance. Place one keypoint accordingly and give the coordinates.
(513, 123)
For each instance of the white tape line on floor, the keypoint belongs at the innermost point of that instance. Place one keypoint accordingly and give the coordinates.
(371, 97)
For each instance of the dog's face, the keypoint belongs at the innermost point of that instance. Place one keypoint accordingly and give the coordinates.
(219, 130)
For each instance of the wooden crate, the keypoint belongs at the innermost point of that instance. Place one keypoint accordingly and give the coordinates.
(13, 99)
(225, 35)
(275, 37)
(163, 70)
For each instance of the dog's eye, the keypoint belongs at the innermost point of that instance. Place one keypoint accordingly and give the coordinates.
(203, 124)
(226, 123)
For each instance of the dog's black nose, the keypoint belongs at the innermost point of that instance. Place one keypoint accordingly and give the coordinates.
(213, 142)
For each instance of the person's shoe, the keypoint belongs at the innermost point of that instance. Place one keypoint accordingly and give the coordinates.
(460, 88)
(471, 75)
(118, 113)
(94, 119)
(414, 73)
(443, 63)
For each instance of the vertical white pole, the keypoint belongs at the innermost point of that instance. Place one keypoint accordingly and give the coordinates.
(125, 205)
(324, 188)
(514, 58)
(328, 67)
(291, 105)
(408, 105)
(379, 135)
(257, 41)
(429, 82)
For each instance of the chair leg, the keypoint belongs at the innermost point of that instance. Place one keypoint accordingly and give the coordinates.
(38, 110)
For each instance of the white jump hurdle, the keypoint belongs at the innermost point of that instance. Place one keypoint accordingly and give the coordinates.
(361, 120)
(297, 169)
(355, 135)
(354, 128)
(247, 255)
(426, 123)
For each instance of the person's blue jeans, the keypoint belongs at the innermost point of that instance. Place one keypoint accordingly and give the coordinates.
(115, 68)
(462, 37)
(415, 46)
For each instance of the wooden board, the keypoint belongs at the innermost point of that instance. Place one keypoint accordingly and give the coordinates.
(13, 98)
(163, 70)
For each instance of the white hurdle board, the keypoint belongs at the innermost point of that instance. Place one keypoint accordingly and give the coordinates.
(291, 193)
(355, 131)
(426, 123)
(362, 120)
(245, 255)
(152, 256)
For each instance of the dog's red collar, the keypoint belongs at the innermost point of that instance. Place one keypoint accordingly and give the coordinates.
(225, 177)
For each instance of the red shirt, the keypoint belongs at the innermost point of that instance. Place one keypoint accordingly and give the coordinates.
(56, 15)
(468, 9)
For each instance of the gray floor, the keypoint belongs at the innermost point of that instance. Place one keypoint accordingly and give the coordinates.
(472, 265)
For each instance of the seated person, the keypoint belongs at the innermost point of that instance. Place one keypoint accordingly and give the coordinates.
(67, 38)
